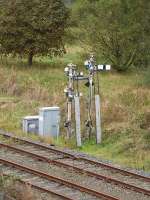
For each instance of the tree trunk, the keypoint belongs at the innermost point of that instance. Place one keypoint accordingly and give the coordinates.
(30, 58)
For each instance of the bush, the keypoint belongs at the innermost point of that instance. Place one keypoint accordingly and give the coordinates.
(146, 81)
(117, 31)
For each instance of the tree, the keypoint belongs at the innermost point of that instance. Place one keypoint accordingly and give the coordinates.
(68, 2)
(116, 30)
(32, 27)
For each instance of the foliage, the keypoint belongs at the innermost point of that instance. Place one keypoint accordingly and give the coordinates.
(32, 27)
(146, 81)
(125, 106)
(68, 2)
(117, 31)
(10, 188)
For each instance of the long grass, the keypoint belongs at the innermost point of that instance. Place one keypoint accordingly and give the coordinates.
(12, 189)
(125, 106)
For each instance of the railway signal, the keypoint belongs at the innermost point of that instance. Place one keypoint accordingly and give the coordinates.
(94, 91)
(73, 94)
(73, 97)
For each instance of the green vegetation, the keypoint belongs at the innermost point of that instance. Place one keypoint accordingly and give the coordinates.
(125, 106)
(10, 188)
(146, 80)
(32, 27)
(116, 31)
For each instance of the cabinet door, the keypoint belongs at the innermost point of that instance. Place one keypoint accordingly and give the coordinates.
(51, 123)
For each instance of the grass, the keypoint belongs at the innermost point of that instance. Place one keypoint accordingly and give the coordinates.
(11, 188)
(125, 106)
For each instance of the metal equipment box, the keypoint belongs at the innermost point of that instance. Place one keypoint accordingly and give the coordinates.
(49, 121)
(31, 124)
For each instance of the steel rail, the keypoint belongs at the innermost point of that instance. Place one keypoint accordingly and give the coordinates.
(79, 170)
(39, 188)
(98, 163)
(58, 180)
(48, 147)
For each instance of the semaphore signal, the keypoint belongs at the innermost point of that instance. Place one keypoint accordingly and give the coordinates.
(73, 98)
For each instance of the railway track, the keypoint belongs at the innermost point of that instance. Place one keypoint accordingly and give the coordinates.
(35, 186)
(81, 165)
(59, 182)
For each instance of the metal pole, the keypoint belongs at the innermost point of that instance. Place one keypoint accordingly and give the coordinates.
(69, 108)
(69, 103)
(90, 104)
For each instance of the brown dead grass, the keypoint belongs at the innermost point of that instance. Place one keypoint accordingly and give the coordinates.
(19, 192)
(9, 85)
(36, 92)
(113, 112)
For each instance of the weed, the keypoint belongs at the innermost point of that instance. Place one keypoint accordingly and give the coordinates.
(12, 189)
(125, 106)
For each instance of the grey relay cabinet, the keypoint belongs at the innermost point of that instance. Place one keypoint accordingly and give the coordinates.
(49, 120)
(31, 124)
